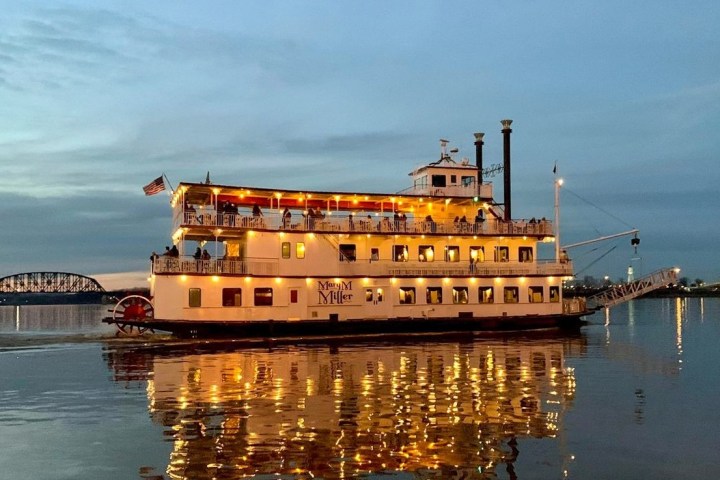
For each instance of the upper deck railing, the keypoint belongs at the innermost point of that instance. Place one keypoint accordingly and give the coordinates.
(271, 267)
(369, 224)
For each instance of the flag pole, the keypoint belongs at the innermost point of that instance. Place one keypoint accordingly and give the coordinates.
(558, 184)
(172, 189)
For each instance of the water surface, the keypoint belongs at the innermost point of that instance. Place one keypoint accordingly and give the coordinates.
(632, 395)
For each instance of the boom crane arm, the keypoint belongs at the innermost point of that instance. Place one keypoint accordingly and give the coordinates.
(600, 239)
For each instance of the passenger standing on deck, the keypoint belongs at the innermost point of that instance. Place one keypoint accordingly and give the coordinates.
(479, 220)
(286, 218)
(256, 211)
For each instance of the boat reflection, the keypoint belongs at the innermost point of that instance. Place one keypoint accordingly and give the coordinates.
(437, 409)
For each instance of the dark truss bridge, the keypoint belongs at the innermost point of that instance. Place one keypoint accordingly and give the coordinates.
(49, 282)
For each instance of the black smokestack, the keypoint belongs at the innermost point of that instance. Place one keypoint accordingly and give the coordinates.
(506, 166)
(478, 157)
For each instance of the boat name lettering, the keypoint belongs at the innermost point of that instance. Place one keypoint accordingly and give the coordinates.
(334, 293)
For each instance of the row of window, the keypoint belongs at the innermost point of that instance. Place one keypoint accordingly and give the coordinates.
(486, 294)
(263, 296)
(441, 180)
(425, 253)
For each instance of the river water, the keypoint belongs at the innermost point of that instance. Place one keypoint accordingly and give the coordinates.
(633, 395)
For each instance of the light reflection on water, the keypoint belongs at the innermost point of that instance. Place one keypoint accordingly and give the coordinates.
(631, 396)
(442, 408)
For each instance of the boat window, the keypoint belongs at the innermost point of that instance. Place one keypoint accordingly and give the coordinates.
(511, 294)
(467, 181)
(535, 294)
(369, 295)
(300, 250)
(554, 294)
(477, 253)
(421, 182)
(426, 253)
(232, 297)
(263, 297)
(486, 295)
(452, 253)
(285, 249)
(525, 254)
(502, 254)
(379, 293)
(460, 295)
(400, 253)
(293, 296)
(407, 295)
(433, 295)
(347, 252)
(438, 181)
(194, 297)
(374, 254)
(453, 179)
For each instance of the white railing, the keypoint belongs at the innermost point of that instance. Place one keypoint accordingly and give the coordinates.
(269, 267)
(435, 269)
(369, 224)
(216, 266)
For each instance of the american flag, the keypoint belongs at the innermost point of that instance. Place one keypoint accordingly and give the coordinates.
(156, 186)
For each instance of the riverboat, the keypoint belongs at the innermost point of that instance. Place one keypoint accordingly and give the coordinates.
(440, 256)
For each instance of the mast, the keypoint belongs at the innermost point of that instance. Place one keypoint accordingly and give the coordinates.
(558, 184)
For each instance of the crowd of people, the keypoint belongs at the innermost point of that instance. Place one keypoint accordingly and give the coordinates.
(228, 215)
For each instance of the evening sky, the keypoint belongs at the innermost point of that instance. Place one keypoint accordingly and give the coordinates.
(99, 98)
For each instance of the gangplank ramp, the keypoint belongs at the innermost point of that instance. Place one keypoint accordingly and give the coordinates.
(622, 293)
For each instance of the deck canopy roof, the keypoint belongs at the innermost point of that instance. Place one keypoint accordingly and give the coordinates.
(213, 195)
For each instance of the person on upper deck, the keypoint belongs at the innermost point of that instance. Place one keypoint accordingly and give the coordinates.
(198, 254)
(479, 218)
(286, 216)
(174, 252)
(256, 211)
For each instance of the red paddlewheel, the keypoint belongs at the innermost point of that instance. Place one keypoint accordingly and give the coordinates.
(135, 308)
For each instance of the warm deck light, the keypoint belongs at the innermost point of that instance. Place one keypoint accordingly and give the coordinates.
(215, 278)
(183, 278)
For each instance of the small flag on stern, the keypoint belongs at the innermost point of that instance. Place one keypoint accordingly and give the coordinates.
(156, 186)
